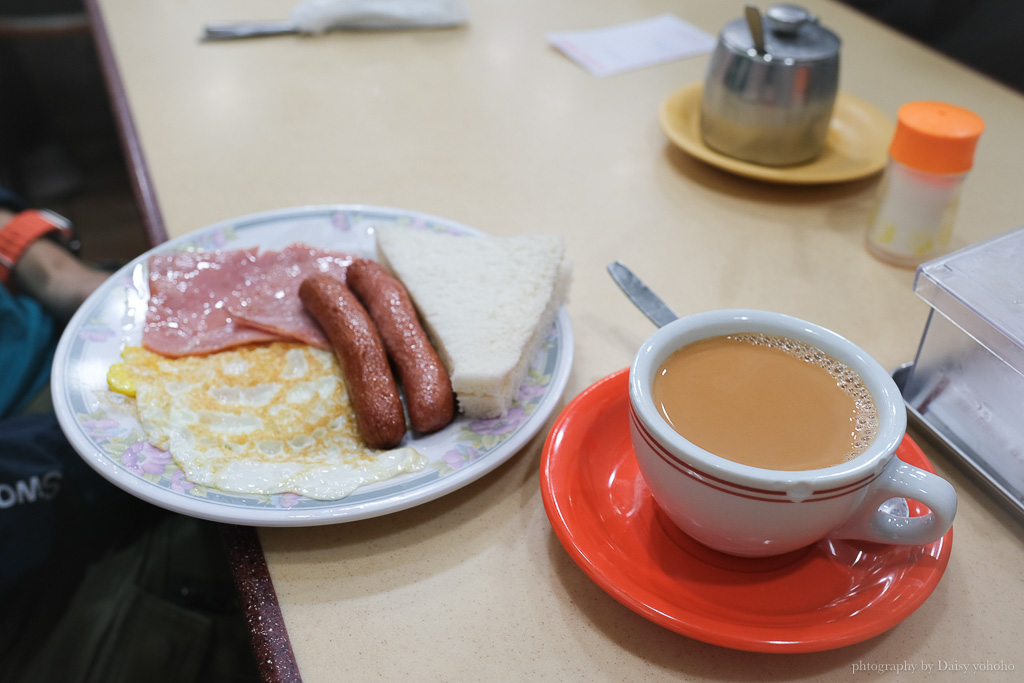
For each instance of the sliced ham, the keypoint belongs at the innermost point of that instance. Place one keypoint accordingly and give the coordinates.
(274, 305)
(201, 302)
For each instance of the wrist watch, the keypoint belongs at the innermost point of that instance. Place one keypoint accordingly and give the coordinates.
(24, 229)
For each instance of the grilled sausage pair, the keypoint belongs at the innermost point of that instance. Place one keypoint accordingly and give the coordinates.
(370, 319)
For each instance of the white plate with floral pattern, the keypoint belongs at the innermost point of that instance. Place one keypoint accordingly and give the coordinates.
(103, 427)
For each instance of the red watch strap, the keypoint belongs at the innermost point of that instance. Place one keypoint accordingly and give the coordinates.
(21, 231)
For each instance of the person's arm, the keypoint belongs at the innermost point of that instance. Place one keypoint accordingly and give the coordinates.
(50, 274)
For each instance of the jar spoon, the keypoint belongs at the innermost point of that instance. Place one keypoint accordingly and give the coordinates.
(756, 25)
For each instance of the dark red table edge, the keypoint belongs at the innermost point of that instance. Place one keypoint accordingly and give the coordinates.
(271, 646)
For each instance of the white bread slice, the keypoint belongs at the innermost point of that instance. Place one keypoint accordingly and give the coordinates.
(487, 304)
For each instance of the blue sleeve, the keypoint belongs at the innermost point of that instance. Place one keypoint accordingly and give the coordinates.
(28, 338)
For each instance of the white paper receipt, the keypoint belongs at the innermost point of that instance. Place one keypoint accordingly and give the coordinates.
(612, 50)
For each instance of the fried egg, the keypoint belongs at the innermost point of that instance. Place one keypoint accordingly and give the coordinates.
(258, 419)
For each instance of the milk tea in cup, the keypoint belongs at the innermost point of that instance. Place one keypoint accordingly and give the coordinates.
(822, 470)
(766, 401)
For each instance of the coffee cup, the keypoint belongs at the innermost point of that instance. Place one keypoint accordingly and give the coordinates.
(769, 508)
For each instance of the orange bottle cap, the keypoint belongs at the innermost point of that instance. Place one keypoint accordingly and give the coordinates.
(936, 137)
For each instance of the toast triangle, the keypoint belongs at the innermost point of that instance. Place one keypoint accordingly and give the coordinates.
(487, 304)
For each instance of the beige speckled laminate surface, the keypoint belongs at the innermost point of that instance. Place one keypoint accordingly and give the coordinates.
(491, 127)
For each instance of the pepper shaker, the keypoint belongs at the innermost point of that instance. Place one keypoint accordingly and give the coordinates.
(931, 152)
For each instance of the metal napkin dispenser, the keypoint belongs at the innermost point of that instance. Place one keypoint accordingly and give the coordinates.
(966, 385)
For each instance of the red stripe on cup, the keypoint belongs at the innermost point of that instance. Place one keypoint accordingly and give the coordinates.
(725, 486)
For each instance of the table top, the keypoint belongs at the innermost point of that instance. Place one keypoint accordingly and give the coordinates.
(490, 126)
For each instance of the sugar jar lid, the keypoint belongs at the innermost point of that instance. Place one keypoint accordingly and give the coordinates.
(791, 33)
(936, 137)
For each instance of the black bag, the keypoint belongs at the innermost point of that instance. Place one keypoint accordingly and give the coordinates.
(53, 506)
(97, 585)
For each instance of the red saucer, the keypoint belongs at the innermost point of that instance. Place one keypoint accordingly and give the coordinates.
(831, 594)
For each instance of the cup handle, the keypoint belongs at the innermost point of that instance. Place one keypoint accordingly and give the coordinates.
(898, 479)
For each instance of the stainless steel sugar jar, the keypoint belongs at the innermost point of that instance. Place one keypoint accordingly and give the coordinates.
(770, 87)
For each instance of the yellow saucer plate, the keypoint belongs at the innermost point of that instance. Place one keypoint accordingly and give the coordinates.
(856, 147)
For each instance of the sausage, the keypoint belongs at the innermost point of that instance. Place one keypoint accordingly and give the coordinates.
(428, 388)
(364, 363)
